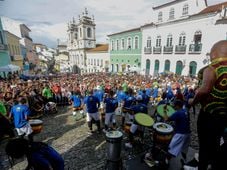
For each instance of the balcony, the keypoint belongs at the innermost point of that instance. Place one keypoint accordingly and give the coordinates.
(147, 50)
(3, 47)
(180, 49)
(195, 48)
(157, 50)
(168, 49)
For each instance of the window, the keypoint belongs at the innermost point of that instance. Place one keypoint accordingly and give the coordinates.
(182, 39)
(171, 13)
(129, 43)
(167, 65)
(117, 44)
(136, 42)
(158, 41)
(88, 61)
(122, 44)
(1, 38)
(97, 62)
(112, 45)
(198, 37)
(101, 62)
(149, 42)
(91, 61)
(160, 17)
(89, 32)
(169, 40)
(185, 9)
(80, 32)
(94, 62)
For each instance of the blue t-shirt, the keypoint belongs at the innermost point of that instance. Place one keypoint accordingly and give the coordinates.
(92, 104)
(129, 101)
(43, 157)
(139, 108)
(182, 124)
(19, 113)
(99, 94)
(76, 100)
(121, 96)
(111, 104)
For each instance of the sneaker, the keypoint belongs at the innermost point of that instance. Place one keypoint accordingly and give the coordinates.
(128, 145)
(90, 132)
(192, 163)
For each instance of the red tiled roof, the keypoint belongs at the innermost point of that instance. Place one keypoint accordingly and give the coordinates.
(214, 8)
(99, 47)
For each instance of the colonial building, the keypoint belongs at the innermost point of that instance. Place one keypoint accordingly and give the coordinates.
(98, 59)
(81, 38)
(13, 43)
(125, 50)
(4, 53)
(181, 35)
(62, 58)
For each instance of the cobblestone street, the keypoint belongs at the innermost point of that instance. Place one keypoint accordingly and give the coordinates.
(80, 150)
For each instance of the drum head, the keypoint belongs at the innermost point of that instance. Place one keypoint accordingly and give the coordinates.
(144, 119)
(163, 107)
(163, 127)
(35, 122)
(114, 134)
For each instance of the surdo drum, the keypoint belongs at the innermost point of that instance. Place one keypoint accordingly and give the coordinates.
(163, 133)
(114, 139)
(37, 125)
(127, 127)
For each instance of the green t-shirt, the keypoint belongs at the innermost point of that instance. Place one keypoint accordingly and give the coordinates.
(3, 109)
(47, 93)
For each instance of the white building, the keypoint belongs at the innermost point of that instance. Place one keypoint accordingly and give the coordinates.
(81, 38)
(181, 35)
(98, 59)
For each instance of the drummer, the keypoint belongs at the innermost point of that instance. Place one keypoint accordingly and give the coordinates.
(138, 108)
(180, 142)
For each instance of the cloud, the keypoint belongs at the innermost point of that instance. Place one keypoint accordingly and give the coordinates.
(48, 18)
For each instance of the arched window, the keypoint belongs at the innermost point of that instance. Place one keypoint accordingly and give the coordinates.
(122, 44)
(89, 32)
(117, 68)
(117, 45)
(94, 62)
(136, 42)
(148, 65)
(167, 65)
(171, 14)
(129, 43)
(156, 66)
(192, 68)
(158, 41)
(169, 42)
(182, 39)
(160, 17)
(80, 32)
(179, 67)
(198, 37)
(112, 67)
(149, 42)
(112, 45)
(185, 9)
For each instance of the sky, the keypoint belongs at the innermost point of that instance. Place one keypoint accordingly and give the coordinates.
(48, 19)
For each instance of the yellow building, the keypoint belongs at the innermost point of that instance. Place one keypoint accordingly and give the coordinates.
(14, 49)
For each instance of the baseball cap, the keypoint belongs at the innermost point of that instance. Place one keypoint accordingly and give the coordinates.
(139, 97)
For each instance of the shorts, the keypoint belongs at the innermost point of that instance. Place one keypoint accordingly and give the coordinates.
(94, 116)
(25, 130)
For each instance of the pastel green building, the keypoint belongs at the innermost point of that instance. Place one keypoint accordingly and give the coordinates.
(125, 50)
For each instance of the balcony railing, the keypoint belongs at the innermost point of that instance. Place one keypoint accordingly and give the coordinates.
(157, 50)
(147, 50)
(3, 47)
(168, 50)
(180, 49)
(195, 48)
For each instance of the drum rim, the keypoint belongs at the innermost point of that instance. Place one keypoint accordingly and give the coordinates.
(35, 121)
(120, 134)
(146, 116)
(169, 128)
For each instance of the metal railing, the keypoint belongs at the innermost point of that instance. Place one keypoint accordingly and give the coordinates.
(157, 50)
(180, 49)
(195, 48)
(147, 50)
(168, 49)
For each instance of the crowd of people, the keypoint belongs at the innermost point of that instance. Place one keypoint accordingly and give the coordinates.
(100, 93)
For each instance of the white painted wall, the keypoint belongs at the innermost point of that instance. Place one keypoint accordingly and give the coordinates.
(211, 33)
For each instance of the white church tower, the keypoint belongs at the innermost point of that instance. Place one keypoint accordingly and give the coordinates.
(81, 37)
